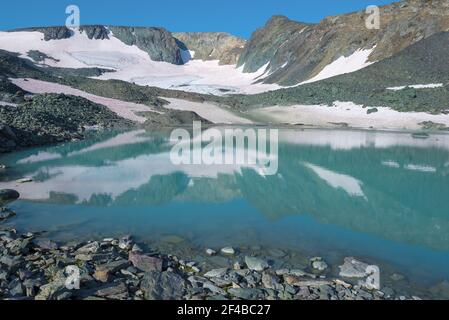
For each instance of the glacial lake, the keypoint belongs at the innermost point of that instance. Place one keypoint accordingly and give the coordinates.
(382, 197)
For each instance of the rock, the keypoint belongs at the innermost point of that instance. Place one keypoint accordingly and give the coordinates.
(256, 264)
(210, 252)
(6, 214)
(247, 293)
(104, 271)
(45, 245)
(12, 262)
(271, 281)
(216, 273)
(19, 246)
(228, 251)
(318, 264)
(53, 291)
(25, 180)
(125, 243)
(7, 196)
(353, 268)
(89, 248)
(145, 263)
(16, 288)
(2, 167)
(118, 291)
(397, 277)
(136, 249)
(237, 266)
(213, 288)
(92, 257)
(163, 286)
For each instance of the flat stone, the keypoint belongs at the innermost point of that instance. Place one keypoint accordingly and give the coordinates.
(92, 257)
(247, 293)
(163, 286)
(104, 271)
(353, 268)
(216, 273)
(256, 264)
(271, 281)
(145, 263)
(89, 248)
(211, 252)
(119, 290)
(228, 251)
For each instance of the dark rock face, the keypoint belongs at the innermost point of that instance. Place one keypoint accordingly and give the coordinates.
(212, 45)
(298, 51)
(163, 286)
(157, 42)
(96, 32)
(8, 196)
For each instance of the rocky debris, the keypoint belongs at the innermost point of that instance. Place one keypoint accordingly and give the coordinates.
(35, 268)
(53, 118)
(256, 264)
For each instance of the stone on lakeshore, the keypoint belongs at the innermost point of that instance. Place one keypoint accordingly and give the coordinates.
(247, 293)
(6, 214)
(89, 248)
(228, 251)
(210, 252)
(136, 248)
(216, 273)
(271, 281)
(256, 264)
(353, 268)
(53, 291)
(145, 263)
(92, 257)
(104, 271)
(125, 243)
(213, 288)
(7, 196)
(45, 244)
(2, 166)
(118, 291)
(318, 264)
(163, 286)
(19, 246)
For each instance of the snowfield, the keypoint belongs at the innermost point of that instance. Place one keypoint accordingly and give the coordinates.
(134, 65)
(346, 113)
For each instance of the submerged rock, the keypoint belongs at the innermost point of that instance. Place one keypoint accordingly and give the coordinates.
(7, 196)
(256, 264)
(353, 268)
(228, 251)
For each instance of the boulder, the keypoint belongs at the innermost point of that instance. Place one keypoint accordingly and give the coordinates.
(163, 286)
(7, 196)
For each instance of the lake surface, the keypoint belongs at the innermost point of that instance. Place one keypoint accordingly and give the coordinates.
(379, 196)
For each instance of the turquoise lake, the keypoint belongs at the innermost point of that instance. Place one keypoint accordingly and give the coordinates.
(380, 196)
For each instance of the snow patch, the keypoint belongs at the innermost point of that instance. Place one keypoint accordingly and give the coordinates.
(336, 180)
(418, 86)
(358, 60)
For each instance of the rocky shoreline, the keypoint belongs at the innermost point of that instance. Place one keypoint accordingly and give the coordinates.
(35, 268)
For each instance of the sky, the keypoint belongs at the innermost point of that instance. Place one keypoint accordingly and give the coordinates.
(238, 17)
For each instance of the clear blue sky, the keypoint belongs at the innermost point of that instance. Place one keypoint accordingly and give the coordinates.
(239, 17)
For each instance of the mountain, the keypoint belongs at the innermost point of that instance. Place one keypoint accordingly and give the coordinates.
(425, 62)
(296, 52)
